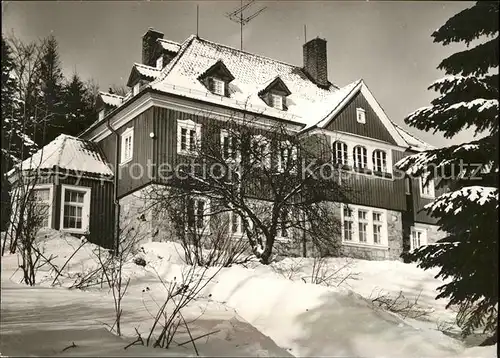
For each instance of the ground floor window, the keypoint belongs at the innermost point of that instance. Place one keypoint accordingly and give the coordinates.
(75, 208)
(364, 225)
(418, 238)
(235, 224)
(42, 198)
(197, 210)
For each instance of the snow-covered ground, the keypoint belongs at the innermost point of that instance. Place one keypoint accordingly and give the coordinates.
(254, 311)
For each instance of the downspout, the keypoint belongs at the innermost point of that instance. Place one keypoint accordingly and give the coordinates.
(116, 229)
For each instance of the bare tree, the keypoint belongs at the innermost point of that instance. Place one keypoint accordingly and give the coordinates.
(278, 183)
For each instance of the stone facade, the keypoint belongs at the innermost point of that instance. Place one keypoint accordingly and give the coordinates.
(432, 231)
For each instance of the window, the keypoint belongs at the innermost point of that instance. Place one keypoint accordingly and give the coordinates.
(127, 145)
(287, 157)
(229, 145)
(101, 114)
(377, 227)
(260, 152)
(418, 238)
(284, 222)
(197, 214)
(75, 208)
(277, 101)
(360, 157)
(364, 225)
(235, 224)
(426, 191)
(218, 86)
(340, 152)
(42, 199)
(360, 115)
(379, 161)
(135, 89)
(188, 136)
(159, 62)
(407, 186)
(348, 229)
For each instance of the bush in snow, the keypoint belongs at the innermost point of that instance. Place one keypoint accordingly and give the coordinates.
(468, 212)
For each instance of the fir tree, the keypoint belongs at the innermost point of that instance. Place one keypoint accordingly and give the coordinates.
(78, 106)
(468, 211)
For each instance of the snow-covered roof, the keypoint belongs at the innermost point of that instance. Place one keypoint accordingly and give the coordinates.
(169, 45)
(413, 142)
(111, 99)
(147, 71)
(69, 153)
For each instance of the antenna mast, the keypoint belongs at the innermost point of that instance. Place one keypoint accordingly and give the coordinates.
(237, 16)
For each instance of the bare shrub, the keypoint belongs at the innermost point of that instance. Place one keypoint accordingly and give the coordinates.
(400, 304)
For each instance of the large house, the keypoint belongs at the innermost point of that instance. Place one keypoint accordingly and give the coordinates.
(177, 83)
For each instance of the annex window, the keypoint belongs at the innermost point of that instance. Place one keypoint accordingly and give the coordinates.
(379, 161)
(277, 101)
(340, 152)
(427, 190)
(364, 225)
(229, 144)
(127, 145)
(360, 115)
(360, 157)
(188, 136)
(75, 208)
(418, 238)
(218, 86)
(260, 151)
(41, 197)
(197, 214)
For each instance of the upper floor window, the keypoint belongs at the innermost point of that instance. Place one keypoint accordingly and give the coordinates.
(127, 145)
(360, 157)
(418, 238)
(101, 114)
(188, 136)
(230, 148)
(75, 208)
(159, 62)
(340, 152)
(218, 86)
(260, 151)
(287, 157)
(407, 186)
(360, 115)
(379, 161)
(135, 89)
(427, 190)
(277, 101)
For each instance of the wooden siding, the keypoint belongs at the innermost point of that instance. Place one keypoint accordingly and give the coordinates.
(346, 121)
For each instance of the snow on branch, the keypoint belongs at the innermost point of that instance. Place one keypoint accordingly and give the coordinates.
(455, 201)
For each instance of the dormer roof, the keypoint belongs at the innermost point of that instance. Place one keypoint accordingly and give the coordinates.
(218, 69)
(140, 71)
(277, 84)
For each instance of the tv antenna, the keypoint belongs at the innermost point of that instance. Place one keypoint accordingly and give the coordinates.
(237, 16)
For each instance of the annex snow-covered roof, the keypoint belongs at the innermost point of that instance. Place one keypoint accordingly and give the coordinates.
(170, 46)
(414, 143)
(111, 99)
(69, 153)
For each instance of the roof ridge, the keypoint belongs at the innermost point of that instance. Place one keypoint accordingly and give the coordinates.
(143, 65)
(111, 94)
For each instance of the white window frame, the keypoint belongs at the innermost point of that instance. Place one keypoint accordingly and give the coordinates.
(85, 208)
(239, 230)
(279, 232)
(159, 62)
(341, 148)
(379, 155)
(206, 218)
(360, 115)
(364, 155)
(423, 237)
(265, 144)
(126, 156)
(426, 191)
(354, 219)
(226, 134)
(277, 101)
(189, 125)
(218, 86)
(283, 149)
(50, 200)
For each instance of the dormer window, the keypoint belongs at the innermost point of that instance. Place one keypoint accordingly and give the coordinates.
(218, 86)
(360, 115)
(135, 89)
(277, 101)
(159, 63)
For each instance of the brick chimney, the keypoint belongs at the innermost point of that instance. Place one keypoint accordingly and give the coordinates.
(148, 46)
(315, 61)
